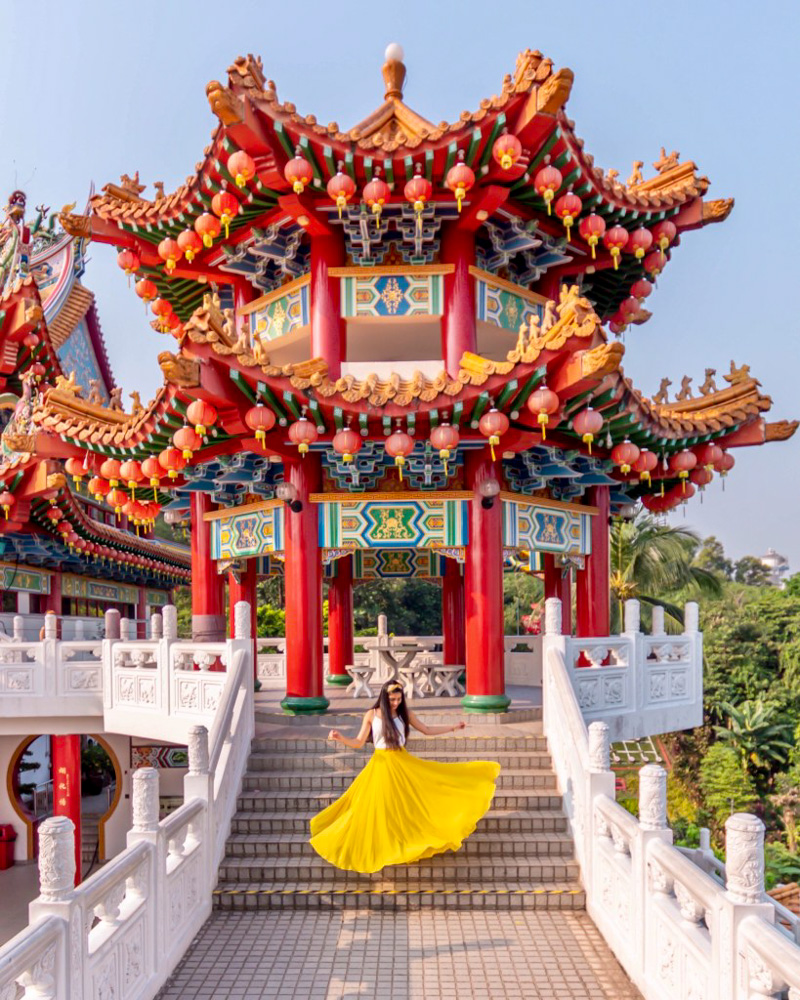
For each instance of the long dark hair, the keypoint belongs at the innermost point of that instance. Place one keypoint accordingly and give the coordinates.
(390, 734)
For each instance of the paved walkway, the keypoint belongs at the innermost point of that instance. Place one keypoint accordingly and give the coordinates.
(439, 955)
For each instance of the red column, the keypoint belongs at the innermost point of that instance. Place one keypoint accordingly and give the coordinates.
(459, 331)
(453, 614)
(141, 614)
(66, 765)
(592, 585)
(53, 602)
(327, 326)
(483, 592)
(340, 622)
(303, 579)
(208, 587)
(245, 589)
(557, 583)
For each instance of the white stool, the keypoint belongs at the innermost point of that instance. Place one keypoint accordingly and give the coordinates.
(444, 681)
(361, 674)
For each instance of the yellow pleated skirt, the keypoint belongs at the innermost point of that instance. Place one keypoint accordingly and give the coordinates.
(401, 809)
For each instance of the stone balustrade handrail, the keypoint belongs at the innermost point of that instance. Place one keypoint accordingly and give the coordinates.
(35, 959)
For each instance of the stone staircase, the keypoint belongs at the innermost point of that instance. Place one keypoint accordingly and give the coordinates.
(520, 856)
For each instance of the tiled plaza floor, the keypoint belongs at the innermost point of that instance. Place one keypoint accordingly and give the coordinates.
(439, 955)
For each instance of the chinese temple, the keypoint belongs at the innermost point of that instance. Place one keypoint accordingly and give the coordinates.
(396, 350)
(61, 550)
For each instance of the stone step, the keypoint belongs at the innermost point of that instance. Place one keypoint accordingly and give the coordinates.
(477, 745)
(499, 820)
(433, 717)
(523, 778)
(478, 845)
(259, 802)
(354, 760)
(455, 870)
(420, 895)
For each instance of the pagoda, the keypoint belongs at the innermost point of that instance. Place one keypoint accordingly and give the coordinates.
(397, 352)
(60, 549)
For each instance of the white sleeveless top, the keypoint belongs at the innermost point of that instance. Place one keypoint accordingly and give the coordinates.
(377, 731)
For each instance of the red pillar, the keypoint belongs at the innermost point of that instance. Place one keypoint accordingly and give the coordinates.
(208, 587)
(303, 579)
(453, 614)
(557, 583)
(66, 765)
(53, 602)
(459, 331)
(327, 326)
(340, 622)
(592, 585)
(483, 592)
(245, 589)
(141, 614)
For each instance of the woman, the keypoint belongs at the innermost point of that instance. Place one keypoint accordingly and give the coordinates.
(400, 808)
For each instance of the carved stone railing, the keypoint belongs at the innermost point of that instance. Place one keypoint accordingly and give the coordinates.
(639, 684)
(683, 926)
(122, 932)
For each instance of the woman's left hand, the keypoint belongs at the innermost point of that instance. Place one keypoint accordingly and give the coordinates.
(460, 725)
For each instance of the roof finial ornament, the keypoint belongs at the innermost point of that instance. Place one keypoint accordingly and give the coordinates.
(394, 71)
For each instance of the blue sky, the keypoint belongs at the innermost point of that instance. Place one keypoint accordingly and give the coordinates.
(98, 89)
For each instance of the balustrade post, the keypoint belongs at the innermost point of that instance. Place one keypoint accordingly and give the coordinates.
(156, 626)
(169, 620)
(653, 826)
(632, 630)
(694, 637)
(112, 635)
(169, 634)
(599, 781)
(127, 629)
(112, 620)
(19, 628)
(657, 627)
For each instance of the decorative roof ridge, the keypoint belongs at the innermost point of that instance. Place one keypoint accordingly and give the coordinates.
(780, 430)
(99, 344)
(740, 392)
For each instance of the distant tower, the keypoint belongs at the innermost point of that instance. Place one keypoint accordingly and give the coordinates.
(778, 567)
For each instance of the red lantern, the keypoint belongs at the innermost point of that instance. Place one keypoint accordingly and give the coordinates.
(641, 289)
(591, 228)
(303, 433)
(629, 308)
(54, 514)
(346, 443)
(445, 439)
(7, 501)
(98, 487)
(460, 179)
(172, 460)
(376, 193)
(170, 252)
(152, 470)
(655, 503)
(709, 455)
(131, 473)
(644, 465)
(163, 310)
(202, 415)
(207, 228)
(110, 470)
(701, 476)
(241, 167)
(624, 455)
(226, 206)
(38, 371)
(399, 445)
(568, 208)
(542, 403)
(341, 189)
(31, 340)
(190, 244)
(146, 290)
(683, 462)
(664, 233)
(725, 464)
(260, 419)
(188, 440)
(615, 239)
(74, 467)
(588, 423)
(654, 263)
(639, 242)
(64, 527)
(546, 182)
(129, 261)
(299, 172)
(418, 192)
(117, 499)
(506, 150)
(493, 425)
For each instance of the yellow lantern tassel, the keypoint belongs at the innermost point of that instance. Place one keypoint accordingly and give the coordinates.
(493, 440)
(543, 422)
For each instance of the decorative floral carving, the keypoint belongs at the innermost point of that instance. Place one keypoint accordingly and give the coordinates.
(599, 748)
(198, 750)
(652, 797)
(107, 910)
(588, 693)
(56, 858)
(145, 799)
(659, 879)
(691, 909)
(744, 863)
(658, 686)
(678, 685)
(613, 690)
(552, 616)
(763, 979)
(666, 963)
(187, 695)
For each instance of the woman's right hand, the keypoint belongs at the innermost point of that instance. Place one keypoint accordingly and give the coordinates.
(334, 735)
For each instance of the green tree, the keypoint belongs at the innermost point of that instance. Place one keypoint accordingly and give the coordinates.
(760, 737)
(726, 786)
(751, 571)
(711, 556)
(782, 865)
(412, 607)
(651, 562)
(786, 802)
(520, 591)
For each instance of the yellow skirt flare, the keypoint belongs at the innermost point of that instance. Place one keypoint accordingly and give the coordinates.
(401, 809)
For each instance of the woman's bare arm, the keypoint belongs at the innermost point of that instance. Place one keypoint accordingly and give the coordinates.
(361, 739)
(433, 730)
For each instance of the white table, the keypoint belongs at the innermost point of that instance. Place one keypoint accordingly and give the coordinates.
(398, 658)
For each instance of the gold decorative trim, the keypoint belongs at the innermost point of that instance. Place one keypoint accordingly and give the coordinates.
(717, 211)
(246, 508)
(390, 269)
(554, 93)
(780, 430)
(378, 497)
(278, 293)
(528, 501)
(507, 286)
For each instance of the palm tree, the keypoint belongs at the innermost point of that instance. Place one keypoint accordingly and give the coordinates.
(651, 561)
(760, 736)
